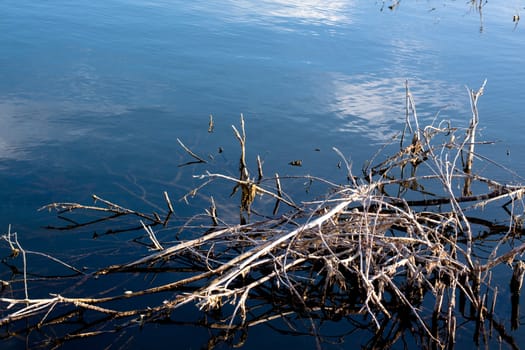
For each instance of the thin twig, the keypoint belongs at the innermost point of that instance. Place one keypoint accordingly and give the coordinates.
(190, 152)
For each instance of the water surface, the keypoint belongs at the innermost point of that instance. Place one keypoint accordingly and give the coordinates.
(93, 94)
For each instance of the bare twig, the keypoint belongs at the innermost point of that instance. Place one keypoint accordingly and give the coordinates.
(191, 153)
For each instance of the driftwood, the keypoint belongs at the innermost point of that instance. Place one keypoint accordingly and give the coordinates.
(401, 255)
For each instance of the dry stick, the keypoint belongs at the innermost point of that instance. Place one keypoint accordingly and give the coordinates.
(153, 290)
(247, 183)
(189, 151)
(152, 236)
(259, 169)
(56, 260)
(168, 201)
(170, 209)
(213, 212)
(410, 105)
(366, 266)
(446, 172)
(86, 334)
(194, 191)
(36, 305)
(210, 124)
(417, 135)
(241, 304)
(115, 208)
(66, 207)
(471, 138)
(77, 302)
(20, 249)
(41, 322)
(173, 249)
(248, 188)
(262, 250)
(493, 305)
(279, 193)
(451, 319)
(243, 169)
(503, 258)
(272, 317)
(206, 292)
(482, 199)
(471, 133)
(439, 295)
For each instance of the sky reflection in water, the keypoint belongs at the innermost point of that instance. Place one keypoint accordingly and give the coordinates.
(94, 94)
(131, 76)
(90, 75)
(277, 12)
(334, 61)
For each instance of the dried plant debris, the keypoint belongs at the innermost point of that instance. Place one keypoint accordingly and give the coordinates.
(211, 125)
(198, 159)
(297, 162)
(399, 251)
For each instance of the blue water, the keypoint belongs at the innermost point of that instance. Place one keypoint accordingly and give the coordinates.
(93, 94)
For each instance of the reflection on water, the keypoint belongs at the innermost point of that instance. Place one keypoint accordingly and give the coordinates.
(94, 93)
(26, 125)
(309, 11)
(83, 85)
(375, 106)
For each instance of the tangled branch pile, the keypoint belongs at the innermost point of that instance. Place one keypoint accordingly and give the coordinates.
(401, 260)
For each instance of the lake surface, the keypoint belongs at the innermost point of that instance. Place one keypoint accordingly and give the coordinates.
(94, 94)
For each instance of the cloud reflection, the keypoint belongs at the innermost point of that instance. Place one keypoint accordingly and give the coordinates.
(17, 128)
(375, 106)
(26, 124)
(313, 12)
(309, 11)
